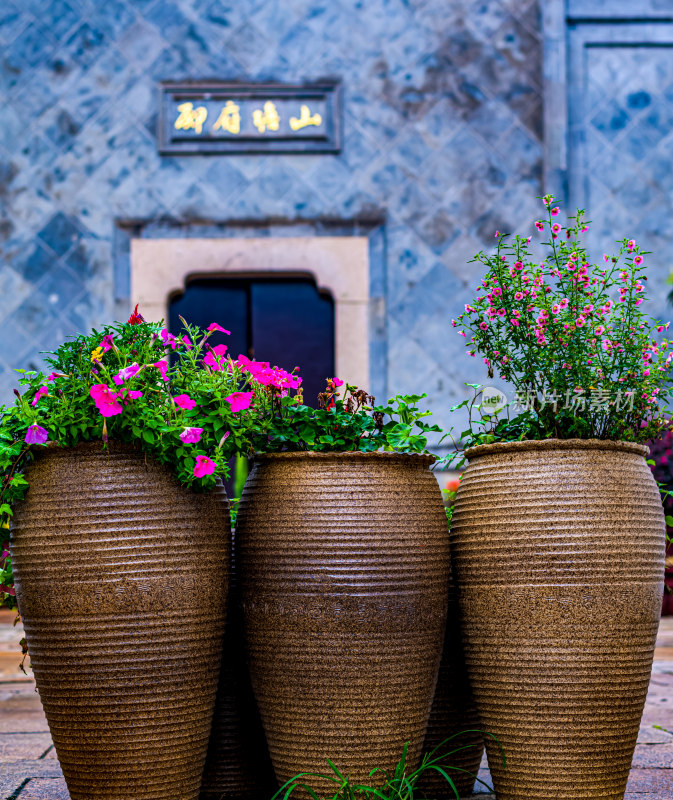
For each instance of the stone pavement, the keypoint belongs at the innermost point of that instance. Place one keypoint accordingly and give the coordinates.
(29, 769)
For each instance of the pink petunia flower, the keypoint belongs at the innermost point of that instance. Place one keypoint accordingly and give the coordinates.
(134, 394)
(215, 327)
(187, 343)
(638, 260)
(539, 225)
(515, 322)
(518, 296)
(41, 392)
(556, 227)
(106, 342)
(579, 322)
(555, 211)
(126, 374)
(162, 366)
(215, 358)
(184, 401)
(191, 435)
(36, 435)
(105, 400)
(167, 338)
(204, 466)
(239, 401)
(631, 244)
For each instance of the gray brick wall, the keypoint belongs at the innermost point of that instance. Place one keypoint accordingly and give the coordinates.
(443, 128)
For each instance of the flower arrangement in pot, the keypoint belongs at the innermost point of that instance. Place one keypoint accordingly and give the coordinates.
(119, 542)
(558, 533)
(342, 558)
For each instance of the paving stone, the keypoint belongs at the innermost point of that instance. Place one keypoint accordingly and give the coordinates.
(45, 789)
(651, 780)
(18, 747)
(653, 755)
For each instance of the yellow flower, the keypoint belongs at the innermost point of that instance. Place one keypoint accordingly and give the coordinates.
(97, 354)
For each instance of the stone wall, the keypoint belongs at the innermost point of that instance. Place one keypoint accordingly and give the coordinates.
(442, 142)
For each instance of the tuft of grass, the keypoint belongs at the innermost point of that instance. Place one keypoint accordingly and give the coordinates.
(401, 784)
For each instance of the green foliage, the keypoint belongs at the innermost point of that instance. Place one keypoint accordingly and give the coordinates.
(400, 784)
(188, 405)
(346, 423)
(89, 397)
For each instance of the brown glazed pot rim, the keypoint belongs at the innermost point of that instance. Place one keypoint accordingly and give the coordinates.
(91, 444)
(556, 444)
(345, 455)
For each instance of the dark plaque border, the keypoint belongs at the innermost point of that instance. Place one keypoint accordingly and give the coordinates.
(171, 143)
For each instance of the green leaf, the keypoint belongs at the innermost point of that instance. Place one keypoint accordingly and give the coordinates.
(148, 436)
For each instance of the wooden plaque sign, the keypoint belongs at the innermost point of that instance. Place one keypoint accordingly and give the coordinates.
(217, 118)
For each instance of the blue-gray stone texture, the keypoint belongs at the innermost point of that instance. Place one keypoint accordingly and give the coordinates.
(446, 139)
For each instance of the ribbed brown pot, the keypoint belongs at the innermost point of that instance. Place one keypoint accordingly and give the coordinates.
(121, 578)
(343, 560)
(453, 713)
(558, 551)
(238, 766)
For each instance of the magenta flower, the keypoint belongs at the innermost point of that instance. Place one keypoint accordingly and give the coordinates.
(518, 296)
(184, 401)
(204, 466)
(36, 435)
(556, 227)
(336, 382)
(52, 377)
(215, 327)
(106, 343)
(167, 338)
(239, 401)
(162, 366)
(126, 374)
(134, 395)
(539, 225)
(105, 400)
(631, 245)
(191, 435)
(638, 260)
(555, 211)
(187, 343)
(41, 392)
(215, 357)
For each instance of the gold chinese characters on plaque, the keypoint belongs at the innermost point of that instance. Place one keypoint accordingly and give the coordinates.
(240, 118)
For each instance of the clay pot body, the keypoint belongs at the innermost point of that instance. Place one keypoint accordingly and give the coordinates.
(121, 578)
(238, 766)
(453, 714)
(343, 560)
(558, 551)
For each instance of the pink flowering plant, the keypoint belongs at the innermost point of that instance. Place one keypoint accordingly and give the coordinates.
(570, 336)
(346, 420)
(184, 402)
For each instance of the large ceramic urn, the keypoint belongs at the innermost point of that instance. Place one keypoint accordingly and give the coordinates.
(121, 579)
(343, 561)
(558, 554)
